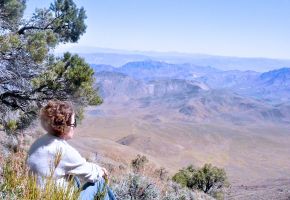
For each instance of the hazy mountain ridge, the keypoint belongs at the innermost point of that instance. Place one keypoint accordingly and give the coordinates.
(217, 105)
(189, 100)
(148, 70)
(118, 58)
(119, 87)
(280, 74)
(272, 86)
(231, 79)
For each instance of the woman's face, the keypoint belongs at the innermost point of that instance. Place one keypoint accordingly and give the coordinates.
(70, 133)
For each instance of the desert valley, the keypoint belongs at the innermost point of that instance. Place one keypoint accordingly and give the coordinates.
(181, 114)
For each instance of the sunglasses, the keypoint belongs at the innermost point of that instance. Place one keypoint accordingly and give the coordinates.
(74, 124)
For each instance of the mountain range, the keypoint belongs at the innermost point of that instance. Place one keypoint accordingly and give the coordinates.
(179, 113)
(197, 93)
(118, 58)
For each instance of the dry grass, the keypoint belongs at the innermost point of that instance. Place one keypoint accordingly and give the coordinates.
(17, 183)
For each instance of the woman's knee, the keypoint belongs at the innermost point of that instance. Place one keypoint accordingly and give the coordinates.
(90, 190)
(99, 184)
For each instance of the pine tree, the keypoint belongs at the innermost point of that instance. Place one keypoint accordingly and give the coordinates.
(30, 74)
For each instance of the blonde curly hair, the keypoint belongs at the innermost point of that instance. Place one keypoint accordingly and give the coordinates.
(56, 117)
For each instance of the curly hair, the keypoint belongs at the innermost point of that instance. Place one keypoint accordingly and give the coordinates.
(56, 117)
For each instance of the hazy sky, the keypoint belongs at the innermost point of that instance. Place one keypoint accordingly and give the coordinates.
(245, 28)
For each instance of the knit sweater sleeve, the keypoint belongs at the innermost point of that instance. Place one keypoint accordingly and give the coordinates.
(74, 164)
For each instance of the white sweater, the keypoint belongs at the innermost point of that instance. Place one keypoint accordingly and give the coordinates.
(41, 157)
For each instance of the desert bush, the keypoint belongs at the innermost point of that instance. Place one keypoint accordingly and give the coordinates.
(11, 126)
(135, 187)
(209, 179)
(175, 191)
(139, 187)
(184, 176)
(150, 183)
(161, 173)
(12, 143)
(139, 163)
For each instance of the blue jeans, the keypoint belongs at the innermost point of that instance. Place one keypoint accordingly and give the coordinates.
(91, 190)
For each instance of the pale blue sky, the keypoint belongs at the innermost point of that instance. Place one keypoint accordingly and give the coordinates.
(244, 28)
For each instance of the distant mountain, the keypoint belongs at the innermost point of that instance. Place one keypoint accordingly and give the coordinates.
(115, 86)
(176, 87)
(114, 59)
(279, 78)
(285, 109)
(240, 80)
(216, 105)
(100, 68)
(121, 87)
(118, 58)
(153, 69)
(188, 100)
(149, 70)
(272, 86)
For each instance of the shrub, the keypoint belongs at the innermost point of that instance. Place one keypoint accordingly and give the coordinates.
(12, 143)
(139, 163)
(209, 179)
(161, 173)
(11, 126)
(183, 176)
(135, 187)
(176, 192)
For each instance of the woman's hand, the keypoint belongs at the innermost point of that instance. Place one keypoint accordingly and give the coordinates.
(106, 174)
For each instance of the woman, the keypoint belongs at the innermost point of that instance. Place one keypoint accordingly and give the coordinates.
(58, 119)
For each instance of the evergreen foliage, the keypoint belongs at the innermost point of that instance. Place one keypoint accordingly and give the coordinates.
(30, 74)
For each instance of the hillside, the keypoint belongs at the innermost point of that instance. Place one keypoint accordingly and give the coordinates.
(212, 116)
(272, 86)
(251, 154)
(188, 100)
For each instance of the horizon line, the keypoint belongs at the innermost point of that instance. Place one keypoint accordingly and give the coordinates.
(128, 51)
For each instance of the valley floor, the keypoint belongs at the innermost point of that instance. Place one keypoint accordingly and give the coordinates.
(255, 156)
